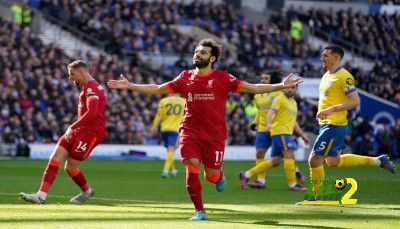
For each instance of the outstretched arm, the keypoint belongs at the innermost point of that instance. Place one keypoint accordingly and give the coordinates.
(264, 88)
(123, 83)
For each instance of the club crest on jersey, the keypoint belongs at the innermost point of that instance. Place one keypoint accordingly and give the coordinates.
(329, 84)
(89, 91)
(210, 83)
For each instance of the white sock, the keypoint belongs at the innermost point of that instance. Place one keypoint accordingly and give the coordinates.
(377, 162)
(42, 195)
(261, 180)
(247, 174)
(297, 169)
(292, 185)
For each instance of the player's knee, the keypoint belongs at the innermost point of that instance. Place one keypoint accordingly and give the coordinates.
(212, 178)
(260, 153)
(276, 161)
(332, 163)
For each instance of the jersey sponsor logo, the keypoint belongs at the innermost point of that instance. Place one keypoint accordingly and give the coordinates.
(200, 96)
(350, 81)
(190, 97)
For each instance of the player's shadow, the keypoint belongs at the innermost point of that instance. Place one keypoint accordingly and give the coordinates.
(277, 224)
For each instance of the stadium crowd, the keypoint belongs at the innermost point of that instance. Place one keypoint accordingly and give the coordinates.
(38, 101)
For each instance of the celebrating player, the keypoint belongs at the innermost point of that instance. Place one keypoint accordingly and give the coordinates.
(281, 121)
(169, 113)
(202, 133)
(337, 95)
(80, 138)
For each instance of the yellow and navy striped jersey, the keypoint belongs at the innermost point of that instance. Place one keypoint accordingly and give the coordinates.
(285, 116)
(264, 102)
(169, 113)
(333, 90)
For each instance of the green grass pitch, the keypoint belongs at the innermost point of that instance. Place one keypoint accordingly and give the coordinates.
(132, 194)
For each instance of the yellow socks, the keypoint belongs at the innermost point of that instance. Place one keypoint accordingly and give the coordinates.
(261, 175)
(169, 161)
(262, 167)
(349, 160)
(317, 176)
(289, 166)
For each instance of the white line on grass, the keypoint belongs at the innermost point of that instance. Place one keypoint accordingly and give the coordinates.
(105, 199)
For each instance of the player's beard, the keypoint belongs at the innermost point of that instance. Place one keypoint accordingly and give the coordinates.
(202, 63)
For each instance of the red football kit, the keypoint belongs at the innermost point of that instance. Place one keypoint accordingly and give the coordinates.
(90, 128)
(203, 129)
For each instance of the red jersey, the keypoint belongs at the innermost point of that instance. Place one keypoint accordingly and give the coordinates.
(206, 95)
(91, 109)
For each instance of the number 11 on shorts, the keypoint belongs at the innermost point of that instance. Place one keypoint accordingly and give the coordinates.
(219, 155)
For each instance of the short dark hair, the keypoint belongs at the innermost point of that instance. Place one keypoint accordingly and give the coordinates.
(216, 49)
(336, 49)
(78, 64)
(276, 76)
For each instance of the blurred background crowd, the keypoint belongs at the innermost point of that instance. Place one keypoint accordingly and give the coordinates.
(38, 102)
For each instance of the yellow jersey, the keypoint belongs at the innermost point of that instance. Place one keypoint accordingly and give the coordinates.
(169, 113)
(264, 102)
(333, 90)
(285, 116)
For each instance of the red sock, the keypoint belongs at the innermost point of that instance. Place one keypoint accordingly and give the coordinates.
(79, 179)
(193, 186)
(49, 175)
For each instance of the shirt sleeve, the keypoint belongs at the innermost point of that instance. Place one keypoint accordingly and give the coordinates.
(347, 84)
(92, 104)
(276, 105)
(175, 86)
(233, 83)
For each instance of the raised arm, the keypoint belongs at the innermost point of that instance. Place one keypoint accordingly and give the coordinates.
(123, 83)
(264, 88)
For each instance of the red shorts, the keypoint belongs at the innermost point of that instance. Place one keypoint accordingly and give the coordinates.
(81, 144)
(210, 153)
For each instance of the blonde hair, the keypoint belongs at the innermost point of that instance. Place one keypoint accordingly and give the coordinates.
(78, 64)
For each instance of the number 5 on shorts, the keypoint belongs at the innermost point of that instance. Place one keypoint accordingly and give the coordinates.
(322, 146)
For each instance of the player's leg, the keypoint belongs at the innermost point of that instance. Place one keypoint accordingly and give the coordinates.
(350, 160)
(84, 144)
(191, 153)
(49, 175)
(263, 142)
(212, 161)
(290, 171)
(170, 139)
(263, 166)
(171, 151)
(72, 169)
